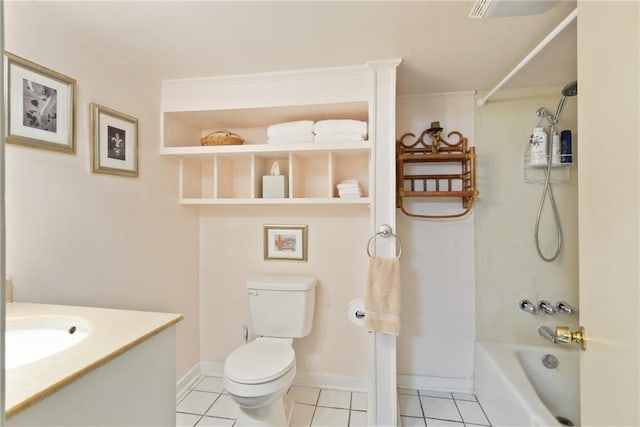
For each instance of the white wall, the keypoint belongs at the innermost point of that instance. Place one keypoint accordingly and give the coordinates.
(74, 237)
(437, 264)
(508, 268)
(231, 250)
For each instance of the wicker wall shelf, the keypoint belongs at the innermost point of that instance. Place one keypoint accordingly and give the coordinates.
(435, 168)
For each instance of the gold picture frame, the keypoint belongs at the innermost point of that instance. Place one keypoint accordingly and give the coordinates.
(40, 106)
(114, 142)
(285, 242)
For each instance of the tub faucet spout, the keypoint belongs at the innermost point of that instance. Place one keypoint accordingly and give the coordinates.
(546, 333)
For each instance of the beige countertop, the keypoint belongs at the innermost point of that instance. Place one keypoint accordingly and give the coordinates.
(112, 332)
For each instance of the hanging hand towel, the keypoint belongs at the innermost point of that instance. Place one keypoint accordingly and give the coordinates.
(382, 296)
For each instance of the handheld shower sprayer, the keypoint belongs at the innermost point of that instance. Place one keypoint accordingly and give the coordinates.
(571, 89)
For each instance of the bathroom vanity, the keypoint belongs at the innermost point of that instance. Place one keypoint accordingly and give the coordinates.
(121, 374)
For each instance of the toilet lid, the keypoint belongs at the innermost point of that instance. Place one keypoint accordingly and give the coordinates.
(259, 362)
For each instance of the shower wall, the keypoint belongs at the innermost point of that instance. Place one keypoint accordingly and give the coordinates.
(508, 267)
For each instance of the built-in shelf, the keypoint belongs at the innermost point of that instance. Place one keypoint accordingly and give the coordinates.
(247, 106)
(233, 174)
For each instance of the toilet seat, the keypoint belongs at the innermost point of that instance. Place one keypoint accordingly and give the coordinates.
(260, 361)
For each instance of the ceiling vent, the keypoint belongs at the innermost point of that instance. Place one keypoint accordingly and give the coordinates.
(504, 8)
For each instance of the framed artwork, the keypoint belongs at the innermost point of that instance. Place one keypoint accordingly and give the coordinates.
(40, 106)
(114, 142)
(285, 242)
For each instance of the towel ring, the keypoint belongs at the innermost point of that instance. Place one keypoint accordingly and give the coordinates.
(384, 231)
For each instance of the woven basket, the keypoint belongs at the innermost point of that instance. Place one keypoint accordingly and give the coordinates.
(221, 137)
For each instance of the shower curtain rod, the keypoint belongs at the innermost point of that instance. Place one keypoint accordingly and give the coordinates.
(569, 19)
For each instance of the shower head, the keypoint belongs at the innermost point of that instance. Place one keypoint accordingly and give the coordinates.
(570, 89)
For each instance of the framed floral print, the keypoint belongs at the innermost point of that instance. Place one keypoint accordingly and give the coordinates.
(114, 142)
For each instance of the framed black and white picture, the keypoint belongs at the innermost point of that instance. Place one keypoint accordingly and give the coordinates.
(40, 105)
(114, 142)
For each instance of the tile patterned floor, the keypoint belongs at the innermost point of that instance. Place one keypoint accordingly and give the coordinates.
(207, 404)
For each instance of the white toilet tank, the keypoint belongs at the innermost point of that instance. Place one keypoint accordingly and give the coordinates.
(282, 306)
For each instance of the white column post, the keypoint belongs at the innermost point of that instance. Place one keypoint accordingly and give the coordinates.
(382, 405)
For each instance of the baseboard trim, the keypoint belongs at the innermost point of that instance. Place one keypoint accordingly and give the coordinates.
(336, 382)
(421, 382)
(183, 385)
(212, 369)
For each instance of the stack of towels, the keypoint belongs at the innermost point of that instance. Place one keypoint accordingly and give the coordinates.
(322, 131)
(349, 188)
(340, 130)
(290, 132)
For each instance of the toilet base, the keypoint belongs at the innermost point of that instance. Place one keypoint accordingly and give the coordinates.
(276, 414)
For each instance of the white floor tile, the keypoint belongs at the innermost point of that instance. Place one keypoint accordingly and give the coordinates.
(412, 422)
(196, 402)
(213, 384)
(409, 405)
(472, 413)
(215, 422)
(412, 391)
(186, 420)
(358, 419)
(442, 423)
(444, 409)
(225, 407)
(307, 395)
(358, 401)
(464, 396)
(430, 393)
(330, 417)
(335, 399)
(302, 415)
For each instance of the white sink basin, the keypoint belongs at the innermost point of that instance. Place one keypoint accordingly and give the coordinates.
(32, 338)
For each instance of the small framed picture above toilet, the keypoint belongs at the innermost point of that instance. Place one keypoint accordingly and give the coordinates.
(285, 242)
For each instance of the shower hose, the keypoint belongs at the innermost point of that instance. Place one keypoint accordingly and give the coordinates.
(547, 190)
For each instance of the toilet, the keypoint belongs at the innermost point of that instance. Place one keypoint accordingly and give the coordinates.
(257, 375)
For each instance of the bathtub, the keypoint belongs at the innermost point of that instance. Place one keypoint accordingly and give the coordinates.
(516, 389)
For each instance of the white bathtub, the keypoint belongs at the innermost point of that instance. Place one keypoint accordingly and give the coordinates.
(516, 389)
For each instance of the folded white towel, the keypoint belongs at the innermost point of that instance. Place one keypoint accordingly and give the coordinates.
(291, 139)
(350, 196)
(348, 186)
(300, 127)
(346, 126)
(339, 137)
(354, 192)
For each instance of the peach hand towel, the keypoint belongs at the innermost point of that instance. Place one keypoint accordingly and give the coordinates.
(382, 296)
